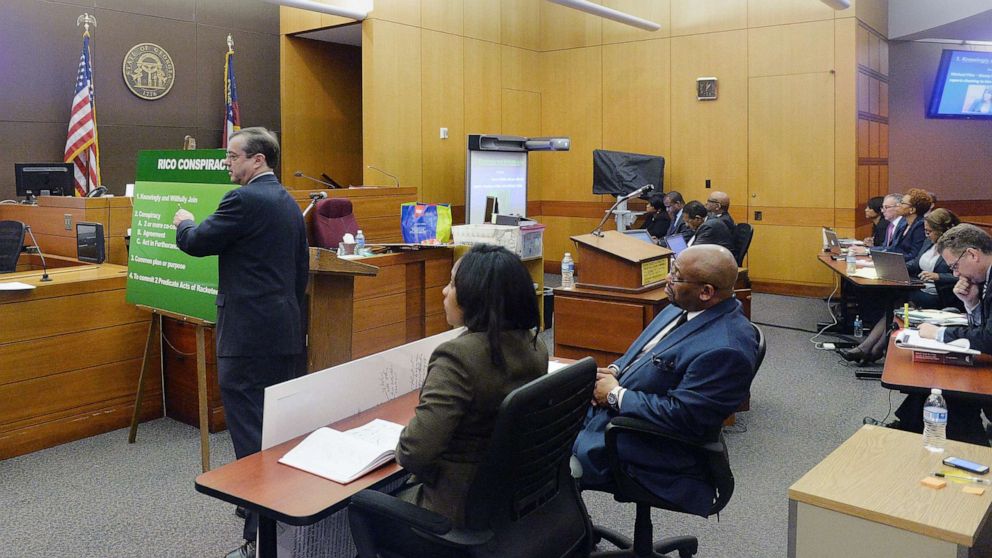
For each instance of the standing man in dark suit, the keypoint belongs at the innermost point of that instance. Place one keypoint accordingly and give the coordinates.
(687, 372)
(258, 233)
(706, 231)
(718, 207)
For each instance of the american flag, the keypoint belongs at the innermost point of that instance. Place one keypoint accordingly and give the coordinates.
(81, 147)
(232, 117)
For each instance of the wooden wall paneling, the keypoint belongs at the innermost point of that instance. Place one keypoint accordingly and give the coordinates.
(61, 316)
(434, 299)
(637, 97)
(864, 92)
(846, 193)
(406, 12)
(378, 311)
(390, 280)
(658, 11)
(709, 138)
(391, 100)
(437, 273)
(443, 15)
(772, 50)
(572, 105)
(873, 13)
(769, 259)
(883, 178)
(864, 138)
(378, 339)
(692, 17)
(482, 87)
(557, 235)
(791, 135)
(883, 99)
(321, 111)
(611, 317)
(481, 19)
(521, 114)
(435, 323)
(295, 20)
(563, 28)
(761, 13)
(520, 23)
(873, 138)
(883, 56)
(874, 60)
(861, 45)
(796, 216)
(442, 105)
(520, 69)
(873, 92)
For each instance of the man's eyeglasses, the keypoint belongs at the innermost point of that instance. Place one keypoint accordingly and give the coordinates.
(891, 206)
(954, 266)
(232, 156)
(673, 277)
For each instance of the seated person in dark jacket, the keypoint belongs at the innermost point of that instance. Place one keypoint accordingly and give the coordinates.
(656, 219)
(873, 212)
(967, 250)
(936, 293)
(718, 207)
(687, 372)
(492, 295)
(909, 239)
(706, 231)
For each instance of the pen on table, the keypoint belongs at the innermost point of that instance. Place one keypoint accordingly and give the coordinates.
(962, 477)
(905, 316)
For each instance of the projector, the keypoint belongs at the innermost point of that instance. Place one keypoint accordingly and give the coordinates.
(548, 144)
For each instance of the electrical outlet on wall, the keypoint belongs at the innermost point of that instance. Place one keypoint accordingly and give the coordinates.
(757, 215)
(709, 183)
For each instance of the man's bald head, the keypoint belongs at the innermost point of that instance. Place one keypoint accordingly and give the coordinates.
(713, 269)
(718, 202)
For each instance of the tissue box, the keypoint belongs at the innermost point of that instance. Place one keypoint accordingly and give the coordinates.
(526, 241)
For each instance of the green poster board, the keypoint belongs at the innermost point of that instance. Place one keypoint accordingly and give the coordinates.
(159, 274)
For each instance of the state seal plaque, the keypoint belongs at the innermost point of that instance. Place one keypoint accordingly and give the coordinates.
(148, 71)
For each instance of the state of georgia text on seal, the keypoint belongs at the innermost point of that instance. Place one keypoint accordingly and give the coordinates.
(149, 71)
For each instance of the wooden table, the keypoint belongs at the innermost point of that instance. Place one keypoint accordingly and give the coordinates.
(889, 291)
(281, 493)
(865, 500)
(903, 374)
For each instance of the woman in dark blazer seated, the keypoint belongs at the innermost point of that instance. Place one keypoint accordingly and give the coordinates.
(656, 219)
(915, 203)
(873, 212)
(492, 295)
(936, 293)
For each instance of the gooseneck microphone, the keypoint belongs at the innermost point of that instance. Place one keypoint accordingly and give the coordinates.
(396, 181)
(314, 198)
(300, 174)
(598, 231)
(44, 266)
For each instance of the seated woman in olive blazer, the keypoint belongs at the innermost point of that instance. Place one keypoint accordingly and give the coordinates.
(492, 295)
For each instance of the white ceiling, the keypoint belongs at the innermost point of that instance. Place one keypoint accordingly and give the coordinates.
(953, 20)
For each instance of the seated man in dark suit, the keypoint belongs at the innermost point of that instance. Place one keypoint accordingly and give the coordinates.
(706, 231)
(718, 207)
(967, 250)
(673, 206)
(686, 373)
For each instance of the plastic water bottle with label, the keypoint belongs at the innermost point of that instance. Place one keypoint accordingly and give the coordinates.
(567, 272)
(935, 421)
(852, 262)
(858, 327)
(360, 243)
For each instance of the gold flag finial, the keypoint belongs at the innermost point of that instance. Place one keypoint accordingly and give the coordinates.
(230, 42)
(85, 20)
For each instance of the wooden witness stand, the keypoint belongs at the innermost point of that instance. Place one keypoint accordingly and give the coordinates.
(330, 297)
(154, 331)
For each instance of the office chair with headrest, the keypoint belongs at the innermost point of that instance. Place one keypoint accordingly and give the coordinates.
(716, 470)
(743, 233)
(523, 501)
(11, 244)
(332, 219)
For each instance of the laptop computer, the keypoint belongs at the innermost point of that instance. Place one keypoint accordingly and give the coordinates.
(676, 243)
(891, 266)
(833, 243)
(639, 234)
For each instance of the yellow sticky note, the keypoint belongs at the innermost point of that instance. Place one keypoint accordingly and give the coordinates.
(933, 482)
(976, 490)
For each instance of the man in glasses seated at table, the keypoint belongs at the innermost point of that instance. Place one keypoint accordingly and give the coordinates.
(688, 371)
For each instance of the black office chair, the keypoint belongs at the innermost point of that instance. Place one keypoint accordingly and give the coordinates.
(743, 233)
(716, 470)
(523, 502)
(11, 244)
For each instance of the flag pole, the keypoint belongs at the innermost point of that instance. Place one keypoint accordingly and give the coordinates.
(85, 20)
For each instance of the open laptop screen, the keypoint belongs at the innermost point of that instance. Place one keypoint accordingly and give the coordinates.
(676, 242)
(639, 234)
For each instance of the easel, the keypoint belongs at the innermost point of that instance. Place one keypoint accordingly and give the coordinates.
(155, 332)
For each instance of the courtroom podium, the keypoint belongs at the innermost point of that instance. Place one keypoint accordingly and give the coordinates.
(330, 303)
(619, 291)
(617, 262)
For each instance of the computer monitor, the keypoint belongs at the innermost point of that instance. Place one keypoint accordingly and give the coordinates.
(89, 242)
(676, 243)
(43, 179)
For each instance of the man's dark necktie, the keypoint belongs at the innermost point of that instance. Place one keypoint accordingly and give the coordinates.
(683, 318)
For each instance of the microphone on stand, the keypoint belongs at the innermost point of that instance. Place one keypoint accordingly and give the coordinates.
(393, 176)
(317, 180)
(598, 231)
(314, 198)
(44, 267)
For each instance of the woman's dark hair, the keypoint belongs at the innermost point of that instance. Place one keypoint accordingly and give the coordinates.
(942, 220)
(495, 294)
(694, 209)
(875, 204)
(919, 200)
(657, 201)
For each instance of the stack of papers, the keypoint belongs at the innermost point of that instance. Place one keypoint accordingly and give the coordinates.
(936, 317)
(345, 456)
(910, 339)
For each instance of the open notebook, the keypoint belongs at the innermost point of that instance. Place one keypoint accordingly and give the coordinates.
(345, 456)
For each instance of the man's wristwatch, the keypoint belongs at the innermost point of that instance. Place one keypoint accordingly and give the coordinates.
(613, 398)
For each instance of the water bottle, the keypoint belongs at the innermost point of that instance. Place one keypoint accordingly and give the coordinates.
(567, 272)
(359, 243)
(859, 327)
(852, 262)
(934, 421)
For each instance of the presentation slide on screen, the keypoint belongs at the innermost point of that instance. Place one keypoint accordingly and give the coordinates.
(158, 273)
(967, 85)
(501, 174)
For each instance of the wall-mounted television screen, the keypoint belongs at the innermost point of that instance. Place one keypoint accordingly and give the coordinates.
(963, 86)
